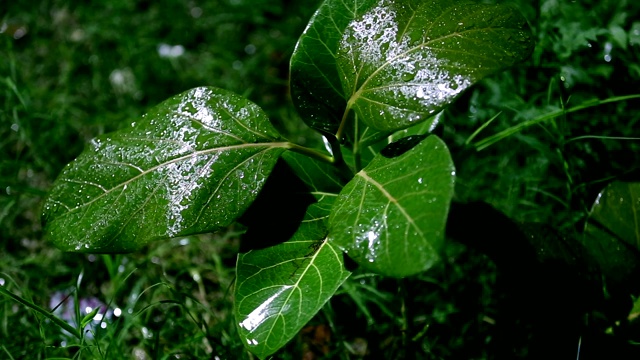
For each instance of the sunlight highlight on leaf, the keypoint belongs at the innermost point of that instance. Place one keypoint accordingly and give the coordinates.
(280, 288)
(402, 61)
(396, 63)
(390, 218)
(193, 164)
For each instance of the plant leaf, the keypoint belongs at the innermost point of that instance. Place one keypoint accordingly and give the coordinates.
(193, 164)
(391, 217)
(315, 82)
(399, 62)
(612, 233)
(280, 288)
(402, 61)
(87, 319)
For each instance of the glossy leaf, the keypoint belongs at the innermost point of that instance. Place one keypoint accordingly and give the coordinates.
(419, 129)
(315, 82)
(402, 61)
(280, 288)
(612, 233)
(399, 61)
(193, 164)
(391, 217)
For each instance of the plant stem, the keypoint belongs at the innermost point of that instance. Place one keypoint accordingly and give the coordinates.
(357, 158)
(315, 154)
(402, 287)
(343, 121)
(337, 160)
(586, 137)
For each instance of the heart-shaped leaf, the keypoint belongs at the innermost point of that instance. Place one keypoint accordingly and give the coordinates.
(391, 217)
(280, 288)
(612, 233)
(398, 62)
(193, 164)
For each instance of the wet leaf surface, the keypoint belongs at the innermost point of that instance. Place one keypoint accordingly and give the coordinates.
(399, 62)
(402, 61)
(612, 233)
(315, 82)
(192, 164)
(280, 288)
(391, 217)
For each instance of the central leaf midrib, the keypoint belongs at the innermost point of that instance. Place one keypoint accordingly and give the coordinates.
(178, 159)
(391, 199)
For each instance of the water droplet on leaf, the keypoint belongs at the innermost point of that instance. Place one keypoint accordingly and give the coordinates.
(408, 76)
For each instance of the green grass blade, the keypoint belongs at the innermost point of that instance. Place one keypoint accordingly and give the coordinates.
(587, 137)
(486, 142)
(482, 127)
(63, 324)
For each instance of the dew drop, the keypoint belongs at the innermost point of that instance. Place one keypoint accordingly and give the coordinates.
(408, 76)
(608, 46)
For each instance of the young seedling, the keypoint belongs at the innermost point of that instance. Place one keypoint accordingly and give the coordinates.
(371, 76)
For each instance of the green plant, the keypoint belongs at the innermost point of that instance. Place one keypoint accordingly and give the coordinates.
(371, 77)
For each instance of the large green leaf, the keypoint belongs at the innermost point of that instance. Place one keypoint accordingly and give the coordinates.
(280, 288)
(192, 164)
(315, 82)
(402, 61)
(612, 233)
(391, 217)
(398, 62)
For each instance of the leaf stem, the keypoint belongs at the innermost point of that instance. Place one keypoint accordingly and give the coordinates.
(337, 160)
(312, 153)
(343, 121)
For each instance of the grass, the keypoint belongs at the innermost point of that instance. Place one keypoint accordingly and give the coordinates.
(70, 72)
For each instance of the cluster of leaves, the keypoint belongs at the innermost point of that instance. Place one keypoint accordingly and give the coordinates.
(60, 87)
(342, 201)
(360, 73)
